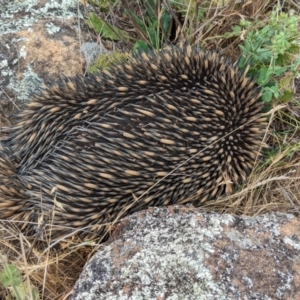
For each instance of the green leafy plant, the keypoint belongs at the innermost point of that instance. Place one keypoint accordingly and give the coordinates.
(103, 5)
(11, 278)
(156, 25)
(156, 22)
(153, 26)
(270, 49)
(105, 60)
(104, 29)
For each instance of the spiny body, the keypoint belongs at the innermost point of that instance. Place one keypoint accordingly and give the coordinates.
(86, 150)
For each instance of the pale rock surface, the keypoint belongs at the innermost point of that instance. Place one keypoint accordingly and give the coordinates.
(183, 253)
(40, 40)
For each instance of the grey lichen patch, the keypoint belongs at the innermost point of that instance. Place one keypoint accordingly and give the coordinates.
(240, 239)
(286, 281)
(91, 51)
(3, 64)
(27, 85)
(23, 52)
(271, 222)
(30, 11)
(294, 243)
(51, 28)
(248, 281)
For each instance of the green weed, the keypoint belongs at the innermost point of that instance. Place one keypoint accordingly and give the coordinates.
(155, 22)
(270, 48)
(11, 278)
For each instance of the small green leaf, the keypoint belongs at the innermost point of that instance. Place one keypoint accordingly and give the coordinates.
(105, 30)
(287, 96)
(267, 96)
(275, 91)
(10, 276)
(141, 46)
(237, 30)
(166, 22)
(262, 77)
(151, 6)
(154, 38)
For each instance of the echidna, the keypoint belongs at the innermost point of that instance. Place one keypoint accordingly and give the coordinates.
(177, 126)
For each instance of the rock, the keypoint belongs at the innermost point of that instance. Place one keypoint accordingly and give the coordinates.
(39, 40)
(183, 253)
(91, 51)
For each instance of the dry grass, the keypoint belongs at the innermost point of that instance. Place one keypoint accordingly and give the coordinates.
(273, 186)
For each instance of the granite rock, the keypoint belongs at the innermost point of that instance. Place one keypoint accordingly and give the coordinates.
(183, 253)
